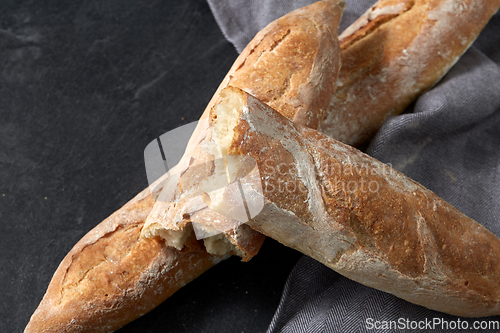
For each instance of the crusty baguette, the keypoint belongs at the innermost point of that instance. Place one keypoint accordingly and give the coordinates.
(112, 276)
(360, 217)
(393, 53)
(292, 65)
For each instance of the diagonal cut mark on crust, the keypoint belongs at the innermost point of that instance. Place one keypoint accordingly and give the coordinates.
(66, 285)
(279, 40)
(371, 25)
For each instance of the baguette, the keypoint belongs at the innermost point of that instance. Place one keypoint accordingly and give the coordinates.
(360, 217)
(112, 275)
(393, 53)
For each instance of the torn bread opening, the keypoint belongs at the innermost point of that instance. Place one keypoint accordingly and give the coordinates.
(224, 193)
(225, 116)
(220, 245)
(173, 238)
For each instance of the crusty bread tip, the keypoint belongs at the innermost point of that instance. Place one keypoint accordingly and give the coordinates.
(113, 276)
(393, 53)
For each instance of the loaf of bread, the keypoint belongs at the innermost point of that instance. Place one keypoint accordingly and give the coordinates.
(392, 54)
(359, 216)
(112, 275)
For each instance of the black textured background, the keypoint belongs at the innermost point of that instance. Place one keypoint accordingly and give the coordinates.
(84, 87)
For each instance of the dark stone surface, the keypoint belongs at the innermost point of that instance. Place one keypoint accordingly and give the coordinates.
(84, 87)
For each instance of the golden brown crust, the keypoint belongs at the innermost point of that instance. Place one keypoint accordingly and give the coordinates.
(364, 219)
(393, 53)
(112, 276)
